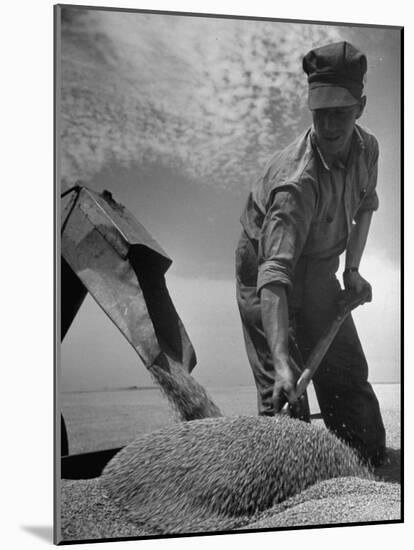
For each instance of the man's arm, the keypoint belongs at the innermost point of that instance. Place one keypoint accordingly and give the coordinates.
(283, 235)
(275, 320)
(352, 279)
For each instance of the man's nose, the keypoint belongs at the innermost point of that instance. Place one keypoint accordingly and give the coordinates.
(329, 122)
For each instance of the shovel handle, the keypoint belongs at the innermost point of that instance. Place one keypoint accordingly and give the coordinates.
(348, 301)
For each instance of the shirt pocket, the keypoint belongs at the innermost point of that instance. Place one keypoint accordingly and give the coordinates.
(360, 195)
(321, 227)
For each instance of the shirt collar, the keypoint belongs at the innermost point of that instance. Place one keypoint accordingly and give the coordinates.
(317, 149)
(358, 138)
(357, 143)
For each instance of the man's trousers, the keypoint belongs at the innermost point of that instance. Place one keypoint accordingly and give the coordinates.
(347, 401)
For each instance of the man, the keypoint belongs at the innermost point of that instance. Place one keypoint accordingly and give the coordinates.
(314, 202)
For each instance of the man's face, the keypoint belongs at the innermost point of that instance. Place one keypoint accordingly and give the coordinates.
(334, 128)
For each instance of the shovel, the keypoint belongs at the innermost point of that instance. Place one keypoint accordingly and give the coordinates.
(348, 300)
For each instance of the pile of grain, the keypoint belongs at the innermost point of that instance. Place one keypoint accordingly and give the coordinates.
(185, 394)
(86, 513)
(218, 474)
(336, 501)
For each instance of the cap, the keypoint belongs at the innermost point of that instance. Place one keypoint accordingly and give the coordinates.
(335, 75)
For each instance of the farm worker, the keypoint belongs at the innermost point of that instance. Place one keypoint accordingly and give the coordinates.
(313, 202)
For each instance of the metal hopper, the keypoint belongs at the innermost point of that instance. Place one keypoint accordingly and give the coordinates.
(108, 253)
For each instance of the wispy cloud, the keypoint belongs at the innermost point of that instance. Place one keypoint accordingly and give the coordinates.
(213, 97)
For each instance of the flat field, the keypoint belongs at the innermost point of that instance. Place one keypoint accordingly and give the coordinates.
(106, 419)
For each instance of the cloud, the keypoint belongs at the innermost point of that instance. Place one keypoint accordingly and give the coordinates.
(183, 92)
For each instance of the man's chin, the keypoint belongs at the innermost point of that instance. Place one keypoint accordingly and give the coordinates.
(332, 148)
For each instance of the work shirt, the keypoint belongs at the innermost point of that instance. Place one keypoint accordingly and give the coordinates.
(303, 207)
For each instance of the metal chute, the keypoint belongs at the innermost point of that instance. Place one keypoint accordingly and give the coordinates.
(108, 253)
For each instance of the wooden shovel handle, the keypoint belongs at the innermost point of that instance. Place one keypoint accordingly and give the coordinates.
(347, 302)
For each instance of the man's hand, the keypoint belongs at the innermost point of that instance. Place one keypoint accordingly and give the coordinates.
(355, 282)
(285, 387)
(275, 324)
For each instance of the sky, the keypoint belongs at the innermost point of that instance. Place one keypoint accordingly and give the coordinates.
(176, 116)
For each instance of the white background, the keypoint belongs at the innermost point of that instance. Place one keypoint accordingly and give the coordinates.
(27, 267)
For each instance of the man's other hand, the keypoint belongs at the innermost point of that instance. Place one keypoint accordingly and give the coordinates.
(355, 282)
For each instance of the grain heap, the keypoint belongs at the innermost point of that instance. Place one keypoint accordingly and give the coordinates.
(86, 513)
(335, 501)
(218, 474)
(185, 394)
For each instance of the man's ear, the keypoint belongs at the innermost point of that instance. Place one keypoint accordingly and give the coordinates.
(362, 103)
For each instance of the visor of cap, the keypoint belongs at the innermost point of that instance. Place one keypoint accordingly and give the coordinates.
(327, 96)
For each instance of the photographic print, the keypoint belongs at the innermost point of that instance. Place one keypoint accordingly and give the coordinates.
(228, 194)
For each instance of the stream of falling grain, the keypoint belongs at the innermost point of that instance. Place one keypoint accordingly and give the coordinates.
(185, 394)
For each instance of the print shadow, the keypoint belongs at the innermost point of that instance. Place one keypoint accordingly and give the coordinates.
(43, 532)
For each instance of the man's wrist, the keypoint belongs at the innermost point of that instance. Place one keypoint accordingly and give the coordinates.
(281, 364)
(352, 269)
(280, 359)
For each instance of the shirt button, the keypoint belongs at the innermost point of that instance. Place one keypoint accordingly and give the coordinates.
(329, 219)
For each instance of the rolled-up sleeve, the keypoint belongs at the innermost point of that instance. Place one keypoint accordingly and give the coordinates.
(284, 233)
(370, 201)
